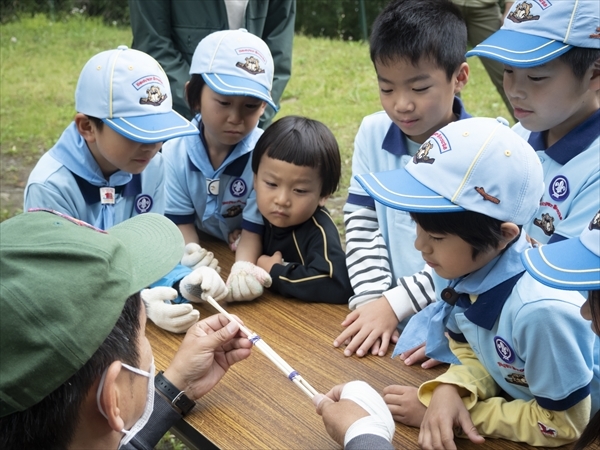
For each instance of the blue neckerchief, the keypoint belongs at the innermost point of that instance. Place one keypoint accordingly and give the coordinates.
(72, 152)
(429, 324)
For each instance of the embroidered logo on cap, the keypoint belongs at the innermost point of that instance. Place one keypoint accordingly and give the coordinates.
(522, 13)
(595, 223)
(143, 204)
(154, 98)
(238, 187)
(503, 349)
(422, 155)
(251, 65)
(559, 188)
(486, 196)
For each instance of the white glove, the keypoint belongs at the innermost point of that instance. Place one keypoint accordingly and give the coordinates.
(201, 283)
(246, 281)
(170, 317)
(195, 256)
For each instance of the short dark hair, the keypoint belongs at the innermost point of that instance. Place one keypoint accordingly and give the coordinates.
(51, 423)
(303, 142)
(478, 230)
(193, 92)
(98, 122)
(580, 59)
(420, 29)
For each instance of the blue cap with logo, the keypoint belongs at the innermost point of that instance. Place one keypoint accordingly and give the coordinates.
(477, 164)
(572, 264)
(235, 62)
(130, 92)
(537, 31)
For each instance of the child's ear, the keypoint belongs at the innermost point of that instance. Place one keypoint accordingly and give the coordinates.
(595, 77)
(323, 200)
(509, 232)
(461, 77)
(85, 127)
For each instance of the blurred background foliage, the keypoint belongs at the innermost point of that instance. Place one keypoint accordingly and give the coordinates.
(338, 19)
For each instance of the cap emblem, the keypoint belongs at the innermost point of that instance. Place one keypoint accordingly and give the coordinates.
(595, 223)
(251, 65)
(154, 98)
(522, 13)
(422, 156)
(486, 196)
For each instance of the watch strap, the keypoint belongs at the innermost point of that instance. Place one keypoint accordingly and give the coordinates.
(177, 398)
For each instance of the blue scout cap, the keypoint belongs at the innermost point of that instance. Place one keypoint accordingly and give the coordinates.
(537, 31)
(477, 164)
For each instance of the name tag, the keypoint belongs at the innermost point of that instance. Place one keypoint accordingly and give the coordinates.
(107, 195)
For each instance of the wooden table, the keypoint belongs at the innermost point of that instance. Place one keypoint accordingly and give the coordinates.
(255, 406)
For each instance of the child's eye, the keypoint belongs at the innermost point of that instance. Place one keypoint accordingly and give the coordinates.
(222, 103)
(253, 106)
(301, 191)
(268, 183)
(385, 91)
(508, 70)
(537, 78)
(436, 238)
(421, 89)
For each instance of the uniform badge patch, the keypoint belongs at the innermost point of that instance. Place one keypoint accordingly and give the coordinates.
(235, 210)
(547, 431)
(522, 13)
(559, 188)
(238, 187)
(546, 223)
(143, 204)
(504, 351)
(107, 195)
(517, 378)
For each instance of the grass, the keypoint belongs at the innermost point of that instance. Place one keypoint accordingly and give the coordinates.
(40, 61)
(332, 81)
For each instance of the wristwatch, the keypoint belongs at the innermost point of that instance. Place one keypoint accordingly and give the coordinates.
(178, 399)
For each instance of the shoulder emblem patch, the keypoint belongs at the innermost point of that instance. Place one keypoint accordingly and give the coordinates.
(546, 223)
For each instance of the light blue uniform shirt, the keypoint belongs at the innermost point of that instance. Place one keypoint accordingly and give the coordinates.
(213, 200)
(572, 179)
(52, 185)
(380, 146)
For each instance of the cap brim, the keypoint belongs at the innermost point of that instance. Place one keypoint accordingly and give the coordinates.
(155, 246)
(152, 128)
(519, 49)
(398, 189)
(565, 265)
(232, 85)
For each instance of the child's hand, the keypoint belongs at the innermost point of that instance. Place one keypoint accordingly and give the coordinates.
(246, 281)
(234, 239)
(195, 256)
(416, 355)
(370, 327)
(403, 402)
(446, 411)
(173, 318)
(201, 283)
(266, 262)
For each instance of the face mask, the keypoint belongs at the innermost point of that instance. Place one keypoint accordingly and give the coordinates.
(141, 422)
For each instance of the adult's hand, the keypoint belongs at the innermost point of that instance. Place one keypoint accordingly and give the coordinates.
(208, 350)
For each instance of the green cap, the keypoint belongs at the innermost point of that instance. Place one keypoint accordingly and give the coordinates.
(63, 285)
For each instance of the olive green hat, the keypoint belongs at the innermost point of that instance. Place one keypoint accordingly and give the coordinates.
(63, 285)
